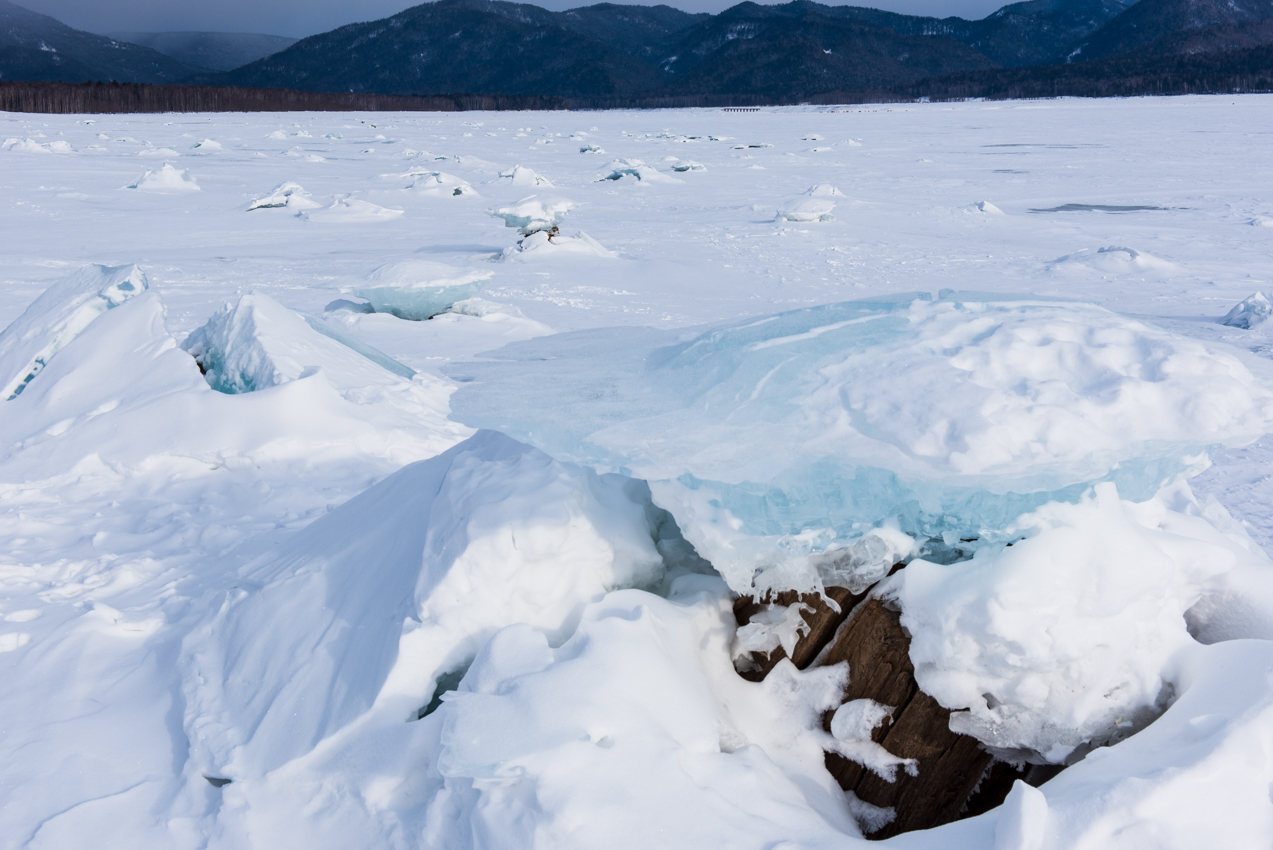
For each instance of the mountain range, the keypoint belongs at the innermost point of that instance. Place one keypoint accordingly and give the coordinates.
(785, 52)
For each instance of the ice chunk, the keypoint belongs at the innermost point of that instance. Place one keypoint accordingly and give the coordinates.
(637, 169)
(258, 343)
(161, 152)
(55, 318)
(418, 289)
(591, 149)
(534, 214)
(207, 145)
(1254, 310)
(166, 179)
(288, 194)
(1064, 639)
(816, 204)
(682, 165)
(521, 176)
(775, 439)
(986, 207)
(404, 583)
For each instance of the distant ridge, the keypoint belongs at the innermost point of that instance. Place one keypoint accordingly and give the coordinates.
(609, 55)
(37, 47)
(215, 51)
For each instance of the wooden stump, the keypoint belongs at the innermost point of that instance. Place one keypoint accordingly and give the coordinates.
(955, 776)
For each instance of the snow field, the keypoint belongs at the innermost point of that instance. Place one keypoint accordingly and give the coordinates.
(386, 630)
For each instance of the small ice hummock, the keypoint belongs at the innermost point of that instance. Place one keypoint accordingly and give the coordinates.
(207, 145)
(418, 289)
(635, 168)
(1254, 310)
(683, 165)
(534, 214)
(815, 204)
(258, 343)
(591, 149)
(439, 184)
(985, 207)
(32, 146)
(166, 179)
(352, 210)
(290, 195)
(57, 316)
(519, 175)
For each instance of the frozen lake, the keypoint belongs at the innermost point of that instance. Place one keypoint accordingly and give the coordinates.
(120, 545)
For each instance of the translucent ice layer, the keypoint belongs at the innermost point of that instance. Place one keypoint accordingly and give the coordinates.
(776, 440)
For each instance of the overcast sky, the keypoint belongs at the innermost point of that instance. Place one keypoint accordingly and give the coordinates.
(306, 17)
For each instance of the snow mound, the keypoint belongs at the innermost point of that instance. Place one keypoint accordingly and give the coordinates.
(1262, 221)
(439, 184)
(207, 145)
(352, 211)
(402, 585)
(166, 179)
(418, 289)
(1254, 310)
(57, 316)
(32, 146)
(539, 245)
(1116, 260)
(986, 207)
(816, 204)
(159, 152)
(258, 343)
(776, 441)
(521, 176)
(1063, 640)
(683, 165)
(534, 214)
(291, 195)
(641, 698)
(635, 168)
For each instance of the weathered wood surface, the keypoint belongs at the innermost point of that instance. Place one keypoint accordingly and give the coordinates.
(955, 777)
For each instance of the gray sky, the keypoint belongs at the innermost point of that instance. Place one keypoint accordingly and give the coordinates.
(306, 17)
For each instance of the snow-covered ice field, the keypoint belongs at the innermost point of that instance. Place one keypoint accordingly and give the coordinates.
(261, 573)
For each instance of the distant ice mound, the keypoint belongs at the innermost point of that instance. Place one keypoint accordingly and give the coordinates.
(534, 213)
(418, 289)
(290, 195)
(778, 441)
(682, 165)
(57, 316)
(257, 343)
(353, 211)
(439, 184)
(591, 149)
(206, 146)
(521, 176)
(1115, 259)
(32, 146)
(540, 245)
(166, 179)
(1254, 310)
(402, 585)
(166, 152)
(985, 207)
(816, 204)
(636, 169)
